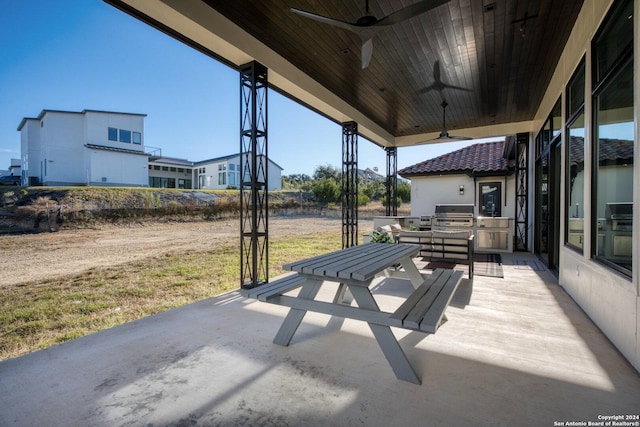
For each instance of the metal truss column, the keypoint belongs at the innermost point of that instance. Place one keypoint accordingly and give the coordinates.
(254, 220)
(349, 184)
(522, 184)
(391, 202)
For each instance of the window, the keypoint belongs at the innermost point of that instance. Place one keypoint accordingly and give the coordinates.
(113, 134)
(222, 178)
(574, 206)
(613, 40)
(232, 167)
(125, 136)
(556, 119)
(490, 199)
(575, 91)
(575, 180)
(137, 138)
(614, 168)
(613, 140)
(232, 178)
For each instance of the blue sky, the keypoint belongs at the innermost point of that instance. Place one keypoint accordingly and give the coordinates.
(84, 54)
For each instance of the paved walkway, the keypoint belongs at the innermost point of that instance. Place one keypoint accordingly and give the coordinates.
(516, 351)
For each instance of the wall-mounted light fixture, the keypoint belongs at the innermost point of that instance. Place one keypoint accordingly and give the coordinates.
(461, 190)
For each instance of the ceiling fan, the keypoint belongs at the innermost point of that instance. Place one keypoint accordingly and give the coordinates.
(368, 26)
(438, 84)
(444, 134)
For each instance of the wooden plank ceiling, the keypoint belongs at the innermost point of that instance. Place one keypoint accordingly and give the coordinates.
(503, 51)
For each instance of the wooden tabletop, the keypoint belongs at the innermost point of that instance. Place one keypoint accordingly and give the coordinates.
(359, 263)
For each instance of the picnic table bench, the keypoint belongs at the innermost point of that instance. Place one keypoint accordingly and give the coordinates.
(354, 269)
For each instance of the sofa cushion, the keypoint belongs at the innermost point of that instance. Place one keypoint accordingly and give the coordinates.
(396, 228)
(385, 229)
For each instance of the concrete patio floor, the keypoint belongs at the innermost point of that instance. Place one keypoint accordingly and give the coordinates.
(515, 351)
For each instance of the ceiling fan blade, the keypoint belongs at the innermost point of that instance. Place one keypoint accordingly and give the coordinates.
(446, 85)
(449, 138)
(429, 88)
(410, 11)
(445, 137)
(326, 20)
(367, 52)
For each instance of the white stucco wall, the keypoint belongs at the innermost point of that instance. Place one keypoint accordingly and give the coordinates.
(30, 148)
(61, 150)
(610, 299)
(429, 191)
(97, 123)
(119, 169)
(275, 177)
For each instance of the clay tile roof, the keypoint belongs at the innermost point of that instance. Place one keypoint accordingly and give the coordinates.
(477, 159)
(611, 150)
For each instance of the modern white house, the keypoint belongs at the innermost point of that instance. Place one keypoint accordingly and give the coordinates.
(224, 172)
(89, 147)
(170, 172)
(370, 175)
(107, 148)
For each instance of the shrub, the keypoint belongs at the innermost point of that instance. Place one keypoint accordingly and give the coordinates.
(377, 237)
(404, 192)
(326, 190)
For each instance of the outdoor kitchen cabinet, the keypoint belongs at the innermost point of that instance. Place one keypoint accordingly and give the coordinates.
(493, 234)
(493, 239)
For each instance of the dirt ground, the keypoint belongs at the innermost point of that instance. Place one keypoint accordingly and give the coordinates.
(33, 257)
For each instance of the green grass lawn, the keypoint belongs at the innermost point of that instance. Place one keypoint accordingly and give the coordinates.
(37, 315)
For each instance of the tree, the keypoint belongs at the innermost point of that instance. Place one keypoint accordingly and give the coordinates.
(327, 172)
(404, 192)
(298, 181)
(326, 190)
(373, 189)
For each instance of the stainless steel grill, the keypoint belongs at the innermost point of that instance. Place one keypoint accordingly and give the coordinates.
(620, 215)
(449, 217)
(618, 234)
(426, 221)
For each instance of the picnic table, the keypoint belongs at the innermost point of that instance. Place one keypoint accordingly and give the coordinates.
(354, 269)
